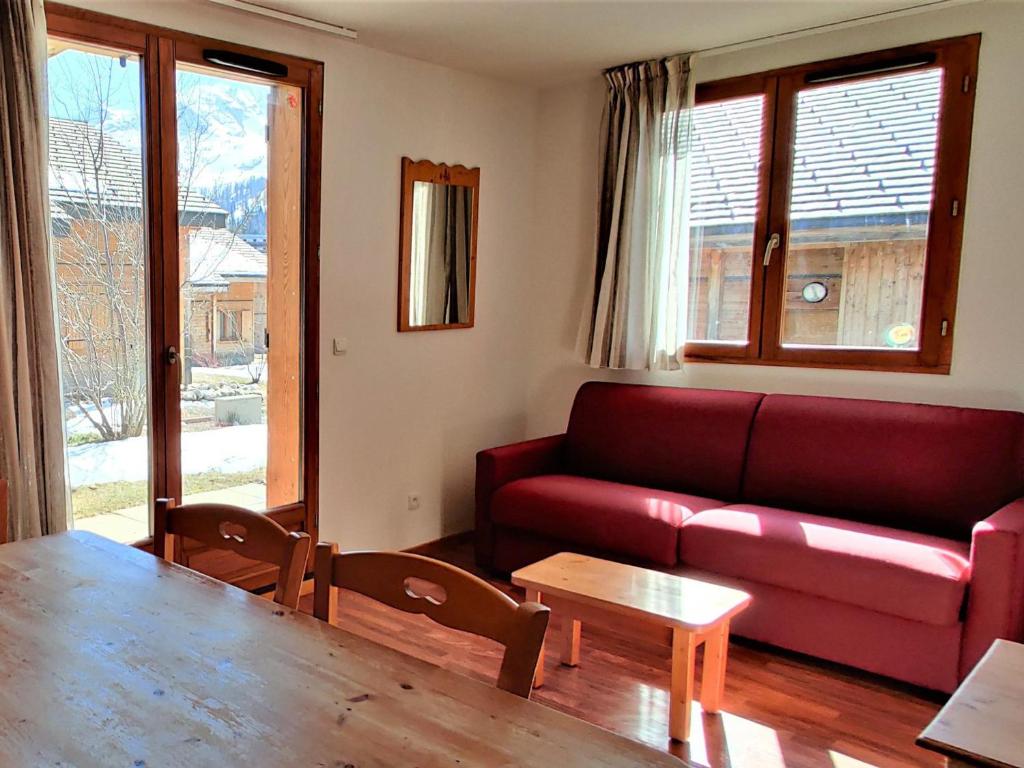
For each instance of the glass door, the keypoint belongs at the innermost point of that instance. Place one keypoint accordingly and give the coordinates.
(98, 220)
(184, 189)
(240, 240)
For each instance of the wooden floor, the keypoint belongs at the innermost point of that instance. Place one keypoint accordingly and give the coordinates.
(780, 710)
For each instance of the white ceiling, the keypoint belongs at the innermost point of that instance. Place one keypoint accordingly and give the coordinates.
(542, 42)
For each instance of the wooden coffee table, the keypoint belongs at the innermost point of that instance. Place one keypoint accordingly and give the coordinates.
(684, 611)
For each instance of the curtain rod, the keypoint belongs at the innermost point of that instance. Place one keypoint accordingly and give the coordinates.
(292, 18)
(717, 50)
(755, 42)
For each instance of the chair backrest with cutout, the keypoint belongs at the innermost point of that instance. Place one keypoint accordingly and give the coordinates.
(442, 592)
(249, 534)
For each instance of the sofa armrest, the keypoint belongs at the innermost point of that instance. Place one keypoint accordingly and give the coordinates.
(995, 604)
(497, 466)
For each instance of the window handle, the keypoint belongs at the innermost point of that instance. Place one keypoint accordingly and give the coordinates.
(773, 243)
(172, 356)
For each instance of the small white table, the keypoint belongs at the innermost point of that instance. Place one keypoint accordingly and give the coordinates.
(983, 722)
(693, 611)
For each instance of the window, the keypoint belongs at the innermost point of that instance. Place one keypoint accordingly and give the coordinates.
(230, 325)
(826, 211)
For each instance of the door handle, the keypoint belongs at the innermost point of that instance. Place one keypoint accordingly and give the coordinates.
(773, 243)
(172, 356)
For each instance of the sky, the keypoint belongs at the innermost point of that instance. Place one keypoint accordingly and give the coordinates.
(221, 122)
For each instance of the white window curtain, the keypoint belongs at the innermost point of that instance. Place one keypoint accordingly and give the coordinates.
(636, 314)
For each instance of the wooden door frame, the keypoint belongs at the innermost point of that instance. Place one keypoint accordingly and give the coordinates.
(160, 48)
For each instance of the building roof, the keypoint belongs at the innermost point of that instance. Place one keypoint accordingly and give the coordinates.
(87, 167)
(217, 257)
(863, 149)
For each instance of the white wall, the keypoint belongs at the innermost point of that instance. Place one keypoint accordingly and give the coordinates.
(402, 412)
(988, 357)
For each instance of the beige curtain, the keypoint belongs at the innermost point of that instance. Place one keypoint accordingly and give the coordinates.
(421, 204)
(31, 432)
(636, 313)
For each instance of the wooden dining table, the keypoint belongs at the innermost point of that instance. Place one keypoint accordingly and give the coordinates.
(112, 657)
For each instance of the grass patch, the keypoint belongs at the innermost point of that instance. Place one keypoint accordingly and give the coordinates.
(92, 500)
(84, 438)
(213, 378)
(215, 481)
(216, 379)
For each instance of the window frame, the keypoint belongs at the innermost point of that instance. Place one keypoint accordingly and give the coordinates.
(958, 59)
(763, 85)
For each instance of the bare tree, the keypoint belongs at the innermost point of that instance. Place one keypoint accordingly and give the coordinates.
(100, 263)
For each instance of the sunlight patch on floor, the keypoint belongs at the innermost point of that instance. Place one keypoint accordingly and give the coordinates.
(840, 760)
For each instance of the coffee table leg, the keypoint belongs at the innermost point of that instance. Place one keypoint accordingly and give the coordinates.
(533, 596)
(684, 650)
(570, 641)
(716, 653)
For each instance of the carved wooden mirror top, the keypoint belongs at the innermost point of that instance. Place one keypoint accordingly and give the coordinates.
(437, 254)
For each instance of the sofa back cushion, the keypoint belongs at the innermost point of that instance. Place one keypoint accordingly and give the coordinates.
(675, 439)
(933, 469)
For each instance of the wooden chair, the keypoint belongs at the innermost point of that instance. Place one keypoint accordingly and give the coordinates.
(3, 511)
(444, 593)
(249, 534)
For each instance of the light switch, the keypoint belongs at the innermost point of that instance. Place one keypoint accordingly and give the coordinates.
(340, 346)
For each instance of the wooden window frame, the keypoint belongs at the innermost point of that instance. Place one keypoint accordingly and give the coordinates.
(958, 59)
(763, 85)
(161, 49)
(233, 317)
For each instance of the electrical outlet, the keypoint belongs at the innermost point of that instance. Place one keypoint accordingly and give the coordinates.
(414, 501)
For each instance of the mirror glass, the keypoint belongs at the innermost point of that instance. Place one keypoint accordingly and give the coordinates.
(442, 231)
(438, 246)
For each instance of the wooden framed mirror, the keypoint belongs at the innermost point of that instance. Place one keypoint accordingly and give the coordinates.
(437, 252)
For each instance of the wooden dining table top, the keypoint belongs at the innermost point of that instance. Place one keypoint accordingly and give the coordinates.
(112, 657)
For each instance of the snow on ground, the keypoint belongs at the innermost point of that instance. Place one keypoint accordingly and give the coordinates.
(228, 372)
(227, 449)
(78, 424)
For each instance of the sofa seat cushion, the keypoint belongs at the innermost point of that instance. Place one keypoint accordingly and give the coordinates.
(912, 575)
(626, 519)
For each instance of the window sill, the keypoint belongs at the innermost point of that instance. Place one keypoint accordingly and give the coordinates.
(942, 369)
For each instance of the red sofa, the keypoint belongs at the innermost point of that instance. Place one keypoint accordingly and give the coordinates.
(886, 536)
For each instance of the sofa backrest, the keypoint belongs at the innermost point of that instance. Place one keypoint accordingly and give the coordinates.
(933, 469)
(675, 439)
